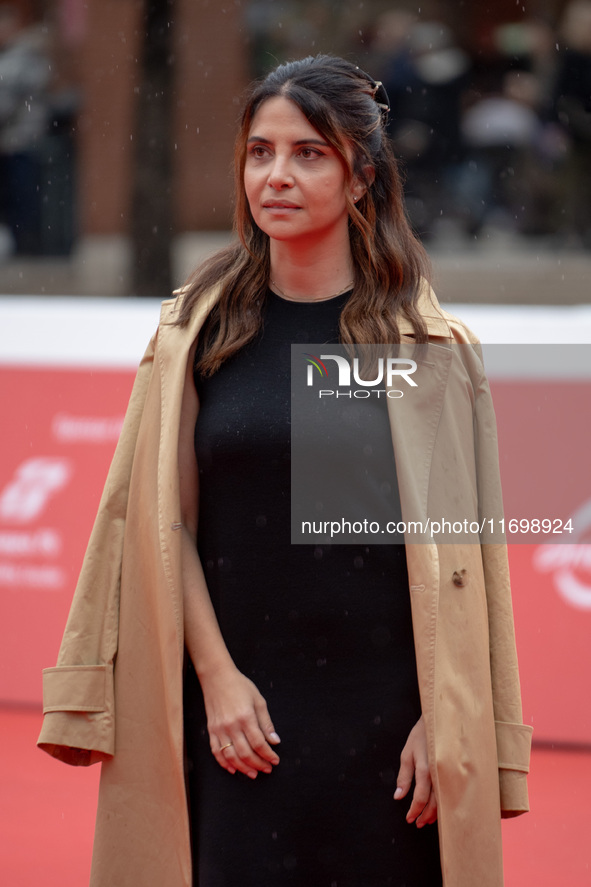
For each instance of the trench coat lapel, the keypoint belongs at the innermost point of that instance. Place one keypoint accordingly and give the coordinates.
(414, 420)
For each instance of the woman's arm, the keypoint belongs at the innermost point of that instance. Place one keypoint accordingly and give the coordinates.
(240, 729)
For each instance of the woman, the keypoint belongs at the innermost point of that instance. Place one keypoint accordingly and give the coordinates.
(314, 642)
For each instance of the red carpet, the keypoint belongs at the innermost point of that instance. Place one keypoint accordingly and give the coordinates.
(549, 847)
(47, 815)
(46, 810)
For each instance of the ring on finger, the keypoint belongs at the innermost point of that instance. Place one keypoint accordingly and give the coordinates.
(227, 745)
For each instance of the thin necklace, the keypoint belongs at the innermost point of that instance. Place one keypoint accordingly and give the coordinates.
(318, 299)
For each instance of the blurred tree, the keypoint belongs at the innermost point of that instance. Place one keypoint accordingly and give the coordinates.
(152, 217)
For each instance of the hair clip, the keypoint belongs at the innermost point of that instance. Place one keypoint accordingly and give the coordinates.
(381, 96)
(378, 93)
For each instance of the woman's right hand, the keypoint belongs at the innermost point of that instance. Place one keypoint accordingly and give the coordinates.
(241, 732)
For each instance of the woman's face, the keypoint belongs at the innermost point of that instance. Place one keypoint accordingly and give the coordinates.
(294, 180)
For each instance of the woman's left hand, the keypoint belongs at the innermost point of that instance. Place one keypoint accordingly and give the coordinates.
(414, 762)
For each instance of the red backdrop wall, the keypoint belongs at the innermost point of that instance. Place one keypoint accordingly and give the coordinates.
(55, 449)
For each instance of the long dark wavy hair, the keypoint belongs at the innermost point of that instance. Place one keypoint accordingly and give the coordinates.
(390, 265)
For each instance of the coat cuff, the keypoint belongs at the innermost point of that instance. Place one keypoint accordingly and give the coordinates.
(513, 750)
(78, 708)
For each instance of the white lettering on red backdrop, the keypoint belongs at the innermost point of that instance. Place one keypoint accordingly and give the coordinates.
(570, 564)
(55, 451)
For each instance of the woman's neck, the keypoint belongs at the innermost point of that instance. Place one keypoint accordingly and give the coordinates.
(310, 274)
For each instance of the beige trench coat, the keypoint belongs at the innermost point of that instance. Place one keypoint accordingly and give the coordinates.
(116, 693)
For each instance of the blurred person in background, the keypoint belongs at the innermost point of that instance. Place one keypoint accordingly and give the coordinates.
(427, 75)
(389, 53)
(24, 113)
(528, 191)
(572, 102)
(500, 133)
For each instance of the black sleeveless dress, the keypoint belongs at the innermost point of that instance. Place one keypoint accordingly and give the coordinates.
(325, 633)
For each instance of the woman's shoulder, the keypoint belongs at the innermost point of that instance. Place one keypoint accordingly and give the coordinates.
(438, 319)
(171, 308)
(460, 331)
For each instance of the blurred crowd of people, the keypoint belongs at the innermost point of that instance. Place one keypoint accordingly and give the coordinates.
(499, 138)
(491, 134)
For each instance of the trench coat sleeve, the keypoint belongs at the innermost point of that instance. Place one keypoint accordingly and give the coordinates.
(513, 737)
(78, 694)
